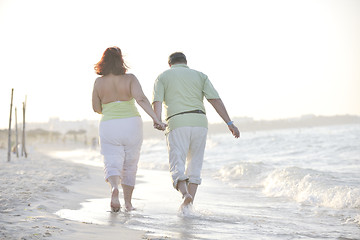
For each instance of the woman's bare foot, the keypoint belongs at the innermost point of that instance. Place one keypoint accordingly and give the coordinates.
(129, 207)
(115, 203)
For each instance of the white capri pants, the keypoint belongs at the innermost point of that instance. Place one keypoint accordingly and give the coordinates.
(120, 142)
(186, 146)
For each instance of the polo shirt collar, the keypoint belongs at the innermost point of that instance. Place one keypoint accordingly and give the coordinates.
(179, 65)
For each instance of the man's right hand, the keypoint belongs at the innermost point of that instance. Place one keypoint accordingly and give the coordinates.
(234, 130)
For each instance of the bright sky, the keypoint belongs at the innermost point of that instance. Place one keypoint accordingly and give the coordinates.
(267, 59)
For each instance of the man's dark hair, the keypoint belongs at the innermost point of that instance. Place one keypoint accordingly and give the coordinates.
(177, 57)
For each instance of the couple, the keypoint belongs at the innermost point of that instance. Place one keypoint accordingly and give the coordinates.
(181, 89)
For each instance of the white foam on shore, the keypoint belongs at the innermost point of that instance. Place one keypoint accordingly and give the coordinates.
(311, 187)
(246, 174)
(297, 186)
(357, 219)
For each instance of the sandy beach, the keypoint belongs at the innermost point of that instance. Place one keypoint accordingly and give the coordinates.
(34, 188)
(285, 184)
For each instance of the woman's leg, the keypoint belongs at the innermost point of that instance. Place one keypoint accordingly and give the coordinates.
(113, 157)
(115, 203)
(113, 169)
(132, 154)
(128, 190)
(129, 174)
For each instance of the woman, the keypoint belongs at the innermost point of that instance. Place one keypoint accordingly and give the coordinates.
(120, 129)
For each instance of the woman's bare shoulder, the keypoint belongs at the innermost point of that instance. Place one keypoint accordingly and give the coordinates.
(98, 80)
(130, 76)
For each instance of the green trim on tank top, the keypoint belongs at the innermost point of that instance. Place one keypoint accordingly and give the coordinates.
(119, 109)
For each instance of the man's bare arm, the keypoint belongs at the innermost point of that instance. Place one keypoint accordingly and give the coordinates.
(157, 106)
(221, 110)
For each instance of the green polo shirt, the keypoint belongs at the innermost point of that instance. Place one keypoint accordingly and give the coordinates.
(183, 89)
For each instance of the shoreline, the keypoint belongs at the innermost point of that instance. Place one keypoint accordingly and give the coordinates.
(35, 188)
(259, 177)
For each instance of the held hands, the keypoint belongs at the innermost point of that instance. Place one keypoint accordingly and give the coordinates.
(234, 130)
(160, 125)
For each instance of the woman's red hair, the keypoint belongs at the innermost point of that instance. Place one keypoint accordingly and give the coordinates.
(111, 62)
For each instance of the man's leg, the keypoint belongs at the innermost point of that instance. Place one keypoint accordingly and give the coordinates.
(195, 159)
(183, 189)
(192, 187)
(178, 141)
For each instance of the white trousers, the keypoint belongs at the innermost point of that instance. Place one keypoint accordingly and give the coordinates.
(120, 142)
(186, 147)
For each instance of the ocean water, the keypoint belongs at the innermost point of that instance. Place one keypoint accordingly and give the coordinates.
(280, 184)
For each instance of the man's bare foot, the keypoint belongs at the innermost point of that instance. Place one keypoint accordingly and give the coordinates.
(187, 200)
(115, 203)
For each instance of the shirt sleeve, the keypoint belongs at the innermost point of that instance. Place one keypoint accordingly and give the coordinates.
(158, 92)
(209, 90)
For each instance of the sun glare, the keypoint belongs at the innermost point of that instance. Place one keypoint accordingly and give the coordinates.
(268, 60)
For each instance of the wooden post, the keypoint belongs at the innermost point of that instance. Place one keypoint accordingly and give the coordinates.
(16, 134)
(9, 137)
(23, 149)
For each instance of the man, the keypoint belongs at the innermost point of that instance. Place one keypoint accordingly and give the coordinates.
(182, 90)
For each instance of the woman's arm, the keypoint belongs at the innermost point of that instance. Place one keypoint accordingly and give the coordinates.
(96, 102)
(141, 99)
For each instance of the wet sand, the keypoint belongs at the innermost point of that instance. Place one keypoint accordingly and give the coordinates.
(33, 189)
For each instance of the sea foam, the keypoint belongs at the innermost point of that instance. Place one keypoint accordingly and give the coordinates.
(311, 187)
(244, 174)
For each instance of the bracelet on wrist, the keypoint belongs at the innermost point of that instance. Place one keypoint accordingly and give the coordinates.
(230, 123)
